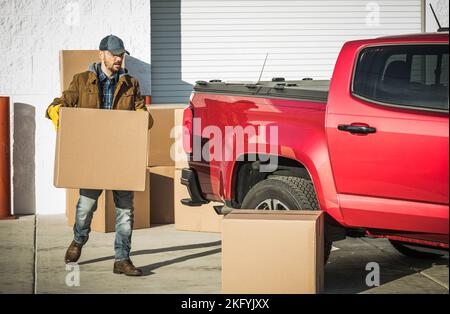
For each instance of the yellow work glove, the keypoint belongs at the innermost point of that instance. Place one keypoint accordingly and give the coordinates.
(53, 113)
(150, 119)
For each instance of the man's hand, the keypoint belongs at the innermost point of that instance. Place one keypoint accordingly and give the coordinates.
(53, 113)
(150, 118)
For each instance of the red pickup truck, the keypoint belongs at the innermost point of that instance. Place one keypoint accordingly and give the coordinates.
(369, 148)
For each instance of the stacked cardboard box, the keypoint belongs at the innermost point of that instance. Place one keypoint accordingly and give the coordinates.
(162, 136)
(203, 218)
(180, 156)
(161, 162)
(72, 62)
(265, 252)
(161, 195)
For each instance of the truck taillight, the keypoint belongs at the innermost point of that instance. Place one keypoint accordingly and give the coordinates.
(187, 130)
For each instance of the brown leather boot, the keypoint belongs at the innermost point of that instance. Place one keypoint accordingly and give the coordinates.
(73, 253)
(126, 267)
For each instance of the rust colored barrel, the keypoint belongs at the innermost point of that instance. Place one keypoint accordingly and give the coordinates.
(148, 100)
(5, 173)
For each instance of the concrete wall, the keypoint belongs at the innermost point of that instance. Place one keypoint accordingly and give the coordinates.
(32, 32)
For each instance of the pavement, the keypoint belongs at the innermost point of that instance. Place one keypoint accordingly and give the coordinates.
(32, 251)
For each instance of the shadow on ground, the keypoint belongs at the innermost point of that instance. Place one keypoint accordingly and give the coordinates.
(346, 271)
(147, 270)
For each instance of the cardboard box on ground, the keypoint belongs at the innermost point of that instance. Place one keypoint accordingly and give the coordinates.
(166, 159)
(161, 162)
(202, 218)
(266, 252)
(161, 195)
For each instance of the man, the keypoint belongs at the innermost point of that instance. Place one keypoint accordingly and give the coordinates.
(105, 86)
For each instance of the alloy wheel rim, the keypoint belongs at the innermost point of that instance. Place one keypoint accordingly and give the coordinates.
(272, 204)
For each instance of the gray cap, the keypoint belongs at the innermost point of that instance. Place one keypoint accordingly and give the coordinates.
(113, 44)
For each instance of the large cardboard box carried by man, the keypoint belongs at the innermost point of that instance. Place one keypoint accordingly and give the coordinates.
(101, 149)
(265, 252)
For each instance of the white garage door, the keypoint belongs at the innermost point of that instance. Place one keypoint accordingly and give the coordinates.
(228, 39)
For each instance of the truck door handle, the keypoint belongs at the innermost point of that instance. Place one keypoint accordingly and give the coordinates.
(357, 129)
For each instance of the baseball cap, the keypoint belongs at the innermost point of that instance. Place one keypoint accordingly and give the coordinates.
(113, 44)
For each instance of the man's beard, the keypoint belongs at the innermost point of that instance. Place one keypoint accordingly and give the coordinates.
(111, 68)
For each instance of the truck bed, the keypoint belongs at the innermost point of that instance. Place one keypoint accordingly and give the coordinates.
(306, 90)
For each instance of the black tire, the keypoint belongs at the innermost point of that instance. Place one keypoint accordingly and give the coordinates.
(410, 251)
(293, 194)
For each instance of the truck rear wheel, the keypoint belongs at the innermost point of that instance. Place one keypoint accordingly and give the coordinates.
(411, 251)
(284, 193)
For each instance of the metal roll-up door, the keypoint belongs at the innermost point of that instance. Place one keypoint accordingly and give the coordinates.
(228, 39)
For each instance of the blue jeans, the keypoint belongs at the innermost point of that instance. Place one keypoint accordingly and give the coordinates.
(87, 205)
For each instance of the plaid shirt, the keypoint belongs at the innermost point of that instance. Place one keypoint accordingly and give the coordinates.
(107, 87)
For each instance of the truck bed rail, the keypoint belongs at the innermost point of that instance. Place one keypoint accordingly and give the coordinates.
(307, 90)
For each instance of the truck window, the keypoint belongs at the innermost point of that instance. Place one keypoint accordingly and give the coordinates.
(413, 76)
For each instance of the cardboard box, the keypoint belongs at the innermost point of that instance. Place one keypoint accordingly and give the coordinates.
(268, 252)
(104, 219)
(187, 218)
(72, 62)
(181, 158)
(162, 200)
(160, 137)
(101, 149)
(142, 205)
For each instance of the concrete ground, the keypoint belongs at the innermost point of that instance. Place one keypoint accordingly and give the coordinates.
(183, 262)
